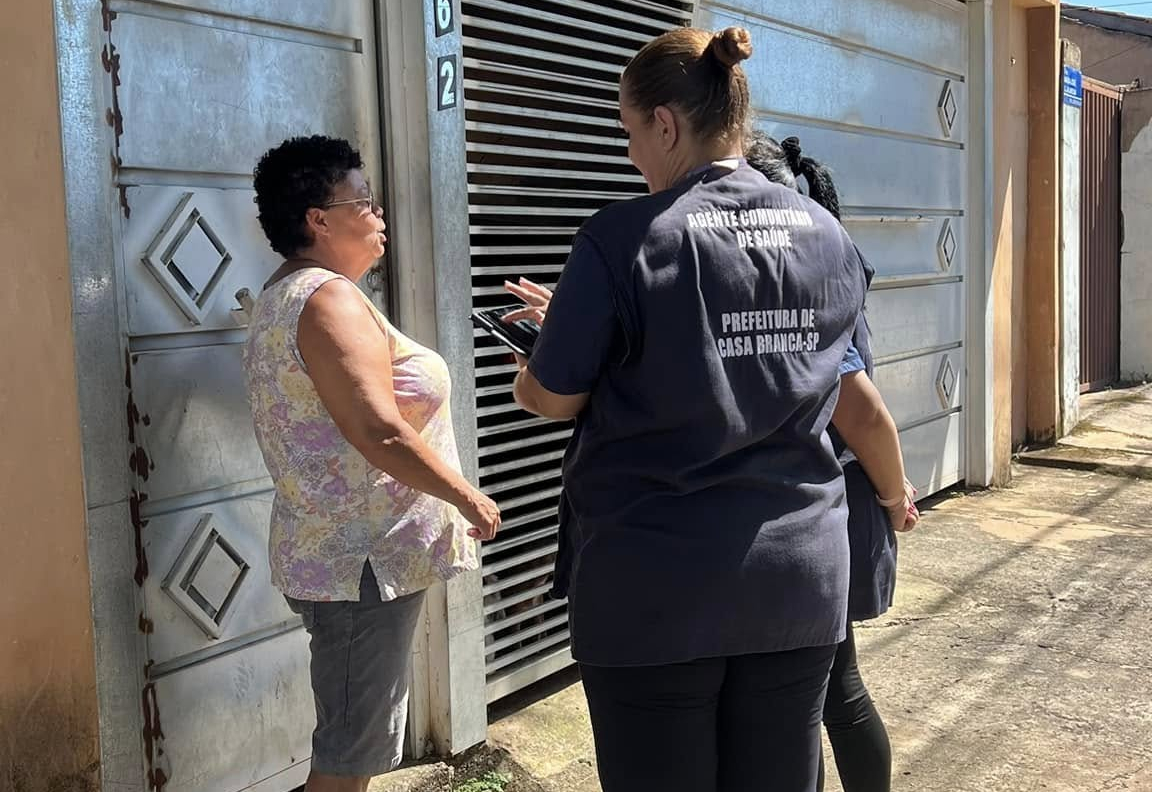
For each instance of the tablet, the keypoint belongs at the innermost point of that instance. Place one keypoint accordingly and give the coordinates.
(519, 336)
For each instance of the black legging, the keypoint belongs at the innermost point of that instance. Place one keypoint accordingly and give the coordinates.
(859, 739)
(727, 724)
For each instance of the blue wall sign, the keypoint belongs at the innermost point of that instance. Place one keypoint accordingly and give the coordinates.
(1073, 87)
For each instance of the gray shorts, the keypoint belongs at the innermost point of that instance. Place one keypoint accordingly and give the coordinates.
(360, 656)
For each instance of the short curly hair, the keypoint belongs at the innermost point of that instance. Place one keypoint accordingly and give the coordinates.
(299, 174)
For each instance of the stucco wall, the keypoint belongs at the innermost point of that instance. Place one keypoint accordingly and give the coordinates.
(48, 718)
(1110, 56)
(1070, 141)
(1136, 252)
(1042, 265)
(1010, 227)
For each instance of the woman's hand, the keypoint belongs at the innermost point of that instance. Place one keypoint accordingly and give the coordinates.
(903, 515)
(482, 513)
(535, 297)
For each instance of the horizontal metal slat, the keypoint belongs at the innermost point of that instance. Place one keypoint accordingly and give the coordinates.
(550, 211)
(515, 91)
(517, 250)
(546, 153)
(568, 21)
(494, 490)
(518, 522)
(549, 38)
(480, 230)
(471, 43)
(491, 351)
(538, 459)
(516, 445)
(551, 606)
(522, 635)
(491, 367)
(524, 558)
(495, 390)
(513, 271)
(500, 603)
(511, 110)
(492, 128)
(555, 173)
(499, 546)
(543, 665)
(570, 81)
(488, 291)
(503, 584)
(497, 409)
(676, 13)
(615, 15)
(549, 192)
(528, 651)
(548, 496)
(883, 282)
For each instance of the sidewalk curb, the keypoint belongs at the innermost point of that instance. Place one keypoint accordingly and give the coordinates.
(1116, 463)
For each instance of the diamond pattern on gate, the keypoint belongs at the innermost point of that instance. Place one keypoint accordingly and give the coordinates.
(207, 577)
(948, 109)
(188, 259)
(946, 246)
(946, 381)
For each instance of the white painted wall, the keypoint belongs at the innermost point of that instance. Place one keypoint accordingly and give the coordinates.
(1070, 137)
(1136, 252)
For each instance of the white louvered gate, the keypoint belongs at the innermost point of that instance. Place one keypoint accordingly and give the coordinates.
(544, 152)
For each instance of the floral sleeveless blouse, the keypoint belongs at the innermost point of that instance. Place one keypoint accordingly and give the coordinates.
(332, 509)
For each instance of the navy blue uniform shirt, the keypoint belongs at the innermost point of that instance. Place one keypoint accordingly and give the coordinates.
(704, 510)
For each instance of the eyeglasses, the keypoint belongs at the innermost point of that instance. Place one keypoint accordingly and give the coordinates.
(368, 202)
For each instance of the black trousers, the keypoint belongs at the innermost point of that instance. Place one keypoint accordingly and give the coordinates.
(731, 724)
(855, 729)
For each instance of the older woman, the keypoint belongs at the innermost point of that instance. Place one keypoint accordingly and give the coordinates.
(353, 420)
(697, 334)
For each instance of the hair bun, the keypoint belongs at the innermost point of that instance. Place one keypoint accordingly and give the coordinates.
(793, 154)
(731, 45)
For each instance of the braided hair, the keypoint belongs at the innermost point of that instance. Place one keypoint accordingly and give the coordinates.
(785, 162)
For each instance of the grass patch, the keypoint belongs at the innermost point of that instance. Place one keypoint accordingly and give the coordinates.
(489, 782)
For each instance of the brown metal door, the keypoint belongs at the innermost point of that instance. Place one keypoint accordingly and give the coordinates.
(1100, 238)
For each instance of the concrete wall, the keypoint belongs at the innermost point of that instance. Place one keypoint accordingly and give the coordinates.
(1010, 228)
(1070, 141)
(1026, 265)
(1136, 252)
(48, 717)
(1110, 56)
(1041, 291)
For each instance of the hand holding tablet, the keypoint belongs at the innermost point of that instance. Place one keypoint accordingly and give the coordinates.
(519, 335)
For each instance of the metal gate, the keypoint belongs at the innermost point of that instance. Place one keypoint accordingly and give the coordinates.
(1100, 235)
(896, 136)
(162, 198)
(544, 152)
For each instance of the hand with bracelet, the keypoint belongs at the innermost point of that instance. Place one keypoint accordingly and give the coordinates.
(902, 512)
(863, 420)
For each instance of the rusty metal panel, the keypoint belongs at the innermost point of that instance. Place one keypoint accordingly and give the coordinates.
(1100, 234)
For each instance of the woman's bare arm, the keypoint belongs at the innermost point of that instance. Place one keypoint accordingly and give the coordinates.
(863, 420)
(349, 359)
